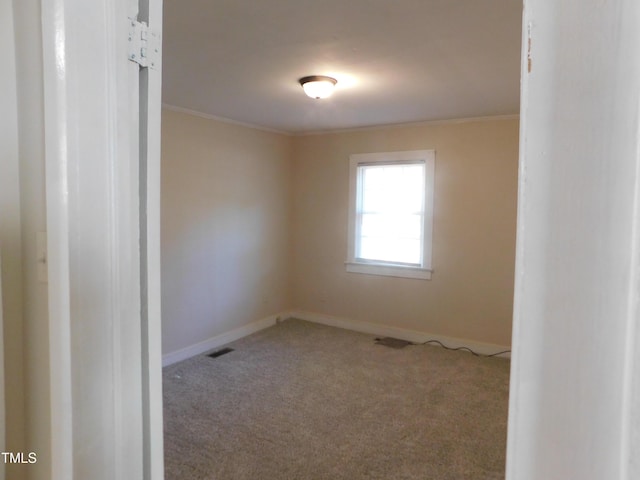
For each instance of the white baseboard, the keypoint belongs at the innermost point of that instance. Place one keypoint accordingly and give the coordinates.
(219, 340)
(413, 336)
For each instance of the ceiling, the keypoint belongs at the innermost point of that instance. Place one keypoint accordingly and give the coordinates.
(396, 61)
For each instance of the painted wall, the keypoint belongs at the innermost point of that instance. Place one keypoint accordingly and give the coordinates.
(11, 247)
(471, 292)
(26, 327)
(575, 377)
(225, 227)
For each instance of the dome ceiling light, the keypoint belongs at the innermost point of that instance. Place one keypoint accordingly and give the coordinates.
(318, 86)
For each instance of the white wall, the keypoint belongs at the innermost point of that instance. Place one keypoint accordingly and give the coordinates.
(33, 214)
(225, 227)
(3, 424)
(572, 410)
(23, 213)
(10, 243)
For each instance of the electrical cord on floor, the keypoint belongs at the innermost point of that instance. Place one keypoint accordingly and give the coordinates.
(463, 348)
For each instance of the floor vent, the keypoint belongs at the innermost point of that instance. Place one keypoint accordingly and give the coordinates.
(392, 342)
(220, 352)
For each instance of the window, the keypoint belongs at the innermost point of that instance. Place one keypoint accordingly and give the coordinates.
(391, 213)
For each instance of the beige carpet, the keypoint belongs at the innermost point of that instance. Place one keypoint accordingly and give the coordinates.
(306, 401)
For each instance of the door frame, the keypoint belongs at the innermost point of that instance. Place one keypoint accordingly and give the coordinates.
(535, 379)
(103, 204)
(574, 408)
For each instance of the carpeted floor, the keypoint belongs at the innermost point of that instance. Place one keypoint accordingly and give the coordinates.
(309, 402)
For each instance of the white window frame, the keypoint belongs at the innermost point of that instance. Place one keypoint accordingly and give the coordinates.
(355, 265)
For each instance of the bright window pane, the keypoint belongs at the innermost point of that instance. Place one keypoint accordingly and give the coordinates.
(391, 212)
(404, 250)
(386, 225)
(373, 225)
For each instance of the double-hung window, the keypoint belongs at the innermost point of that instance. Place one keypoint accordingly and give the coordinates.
(391, 213)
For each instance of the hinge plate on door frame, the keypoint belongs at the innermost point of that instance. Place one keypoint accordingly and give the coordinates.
(144, 45)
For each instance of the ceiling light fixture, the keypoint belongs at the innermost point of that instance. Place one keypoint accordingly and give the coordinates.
(318, 86)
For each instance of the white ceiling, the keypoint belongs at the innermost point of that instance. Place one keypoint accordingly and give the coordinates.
(396, 61)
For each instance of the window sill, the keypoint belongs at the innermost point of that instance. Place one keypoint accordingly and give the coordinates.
(389, 270)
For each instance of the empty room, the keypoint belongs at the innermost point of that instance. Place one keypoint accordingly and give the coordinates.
(319, 254)
(333, 274)
(321, 247)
